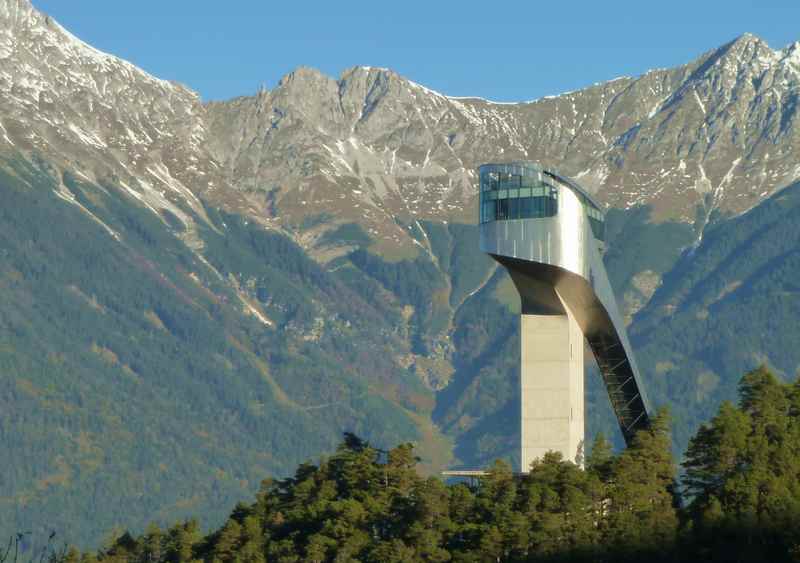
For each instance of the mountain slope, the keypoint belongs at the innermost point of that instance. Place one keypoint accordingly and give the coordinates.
(193, 296)
(728, 305)
(134, 386)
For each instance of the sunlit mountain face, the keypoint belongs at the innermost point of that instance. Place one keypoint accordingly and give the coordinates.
(194, 296)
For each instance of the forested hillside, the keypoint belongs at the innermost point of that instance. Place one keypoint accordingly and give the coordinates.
(194, 297)
(738, 500)
(134, 368)
(731, 302)
(136, 383)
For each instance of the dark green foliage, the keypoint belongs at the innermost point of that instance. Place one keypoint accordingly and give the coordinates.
(441, 242)
(727, 306)
(283, 275)
(480, 403)
(641, 511)
(743, 473)
(600, 456)
(134, 387)
(349, 233)
(469, 268)
(365, 504)
(412, 282)
(635, 244)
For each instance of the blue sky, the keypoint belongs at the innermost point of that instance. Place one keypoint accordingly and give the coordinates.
(504, 51)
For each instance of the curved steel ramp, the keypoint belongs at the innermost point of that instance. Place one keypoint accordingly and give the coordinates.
(555, 263)
(546, 289)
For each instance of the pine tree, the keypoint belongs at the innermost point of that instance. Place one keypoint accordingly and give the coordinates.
(181, 540)
(716, 454)
(600, 459)
(428, 521)
(743, 471)
(558, 500)
(227, 544)
(465, 534)
(151, 545)
(503, 529)
(253, 541)
(641, 502)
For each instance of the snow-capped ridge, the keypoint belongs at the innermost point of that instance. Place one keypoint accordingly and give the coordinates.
(371, 68)
(370, 145)
(487, 101)
(790, 54)
(101, 117)
(26, 19)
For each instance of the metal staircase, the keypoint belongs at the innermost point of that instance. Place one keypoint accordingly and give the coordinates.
(623, 390)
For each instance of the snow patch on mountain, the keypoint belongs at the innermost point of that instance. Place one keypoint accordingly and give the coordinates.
(380, 150)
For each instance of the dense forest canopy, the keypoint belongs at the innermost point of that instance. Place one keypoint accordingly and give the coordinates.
(737, 500)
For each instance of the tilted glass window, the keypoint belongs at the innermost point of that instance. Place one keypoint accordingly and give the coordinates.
(510, 191)
(523, 190)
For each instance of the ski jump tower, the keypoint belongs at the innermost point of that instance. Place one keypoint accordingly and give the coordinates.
(548, 233)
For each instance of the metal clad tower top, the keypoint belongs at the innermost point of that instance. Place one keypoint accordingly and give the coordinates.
(548, 232)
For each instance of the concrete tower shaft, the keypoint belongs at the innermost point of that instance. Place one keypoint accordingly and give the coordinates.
(551, 387)
(548, 233)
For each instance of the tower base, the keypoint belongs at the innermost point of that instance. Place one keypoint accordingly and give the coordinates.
(552, 380)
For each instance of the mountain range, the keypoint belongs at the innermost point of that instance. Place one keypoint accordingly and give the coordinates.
(195, 296)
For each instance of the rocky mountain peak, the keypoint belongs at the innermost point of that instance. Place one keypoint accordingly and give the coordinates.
(378, 149)
(380, 145)
(362, 80)
(100, 118)
(745, 55)
(749, 53)
(791, 54)
(28, 35)
(18, 13)
(303, 77)
(362, 87)
(746, 40)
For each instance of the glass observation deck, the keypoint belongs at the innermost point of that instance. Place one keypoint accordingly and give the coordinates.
(521, 190)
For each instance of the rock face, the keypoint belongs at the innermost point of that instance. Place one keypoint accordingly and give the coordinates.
(717, 134)
(100, 117)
